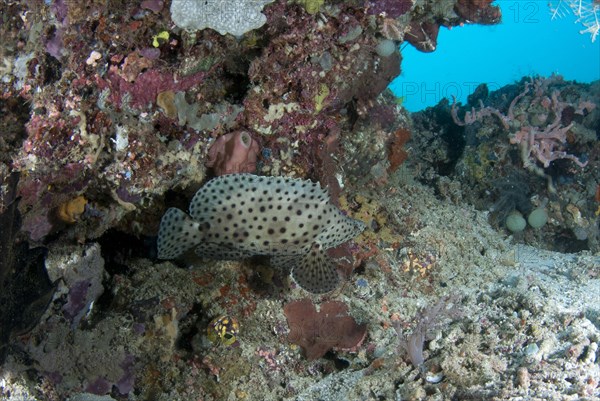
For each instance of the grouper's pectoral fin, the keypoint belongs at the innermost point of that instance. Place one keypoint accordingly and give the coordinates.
(313, 271)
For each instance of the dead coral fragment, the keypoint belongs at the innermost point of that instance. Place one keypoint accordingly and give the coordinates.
(428, 319)
(318, 332)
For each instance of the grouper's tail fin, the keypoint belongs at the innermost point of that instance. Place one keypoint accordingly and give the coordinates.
(177, 234)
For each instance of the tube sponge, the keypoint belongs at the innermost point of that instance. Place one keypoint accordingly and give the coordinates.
(236, 152)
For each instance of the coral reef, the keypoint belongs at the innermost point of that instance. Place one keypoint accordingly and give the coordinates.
(554, 125)
(537, 141)
(114, 112)
(122, 96)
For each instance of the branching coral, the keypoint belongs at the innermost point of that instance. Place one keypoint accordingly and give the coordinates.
(541, 133)
(586, 12)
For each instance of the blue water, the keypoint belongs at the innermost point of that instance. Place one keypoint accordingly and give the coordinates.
(527, 42)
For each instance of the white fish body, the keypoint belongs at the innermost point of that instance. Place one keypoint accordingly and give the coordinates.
(241, 215)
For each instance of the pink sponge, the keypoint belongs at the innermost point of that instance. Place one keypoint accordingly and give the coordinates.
(235, 152)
